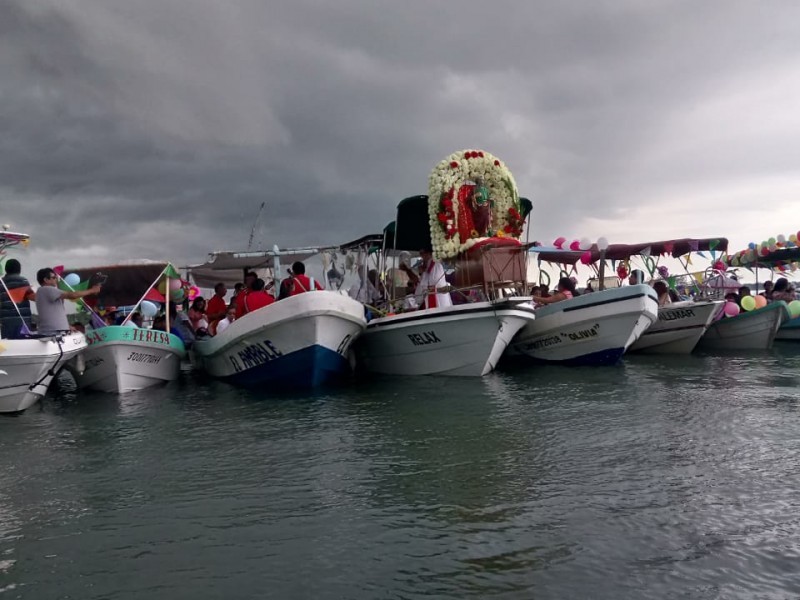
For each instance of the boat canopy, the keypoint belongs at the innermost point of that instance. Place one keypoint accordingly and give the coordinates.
(229, 267)
(674, 248)
(124, 284)
(10, 238)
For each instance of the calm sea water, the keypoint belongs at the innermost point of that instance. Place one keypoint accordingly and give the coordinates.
(661, 478)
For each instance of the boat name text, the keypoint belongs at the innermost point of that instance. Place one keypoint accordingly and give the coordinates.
(254, 355)
(673, 315)
(424, 338)
(142, 357)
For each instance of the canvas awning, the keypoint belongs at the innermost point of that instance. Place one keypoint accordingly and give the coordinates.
(674, 248)
(229, 267)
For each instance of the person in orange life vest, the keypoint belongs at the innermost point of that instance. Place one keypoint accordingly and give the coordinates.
(249, 278)
(302, 283)
(431, 290)
(258, 297)
(216, 307)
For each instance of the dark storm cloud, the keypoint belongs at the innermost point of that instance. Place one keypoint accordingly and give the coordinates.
(156, 129)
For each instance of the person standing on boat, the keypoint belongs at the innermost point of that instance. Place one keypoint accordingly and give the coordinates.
(637, 277)
(662, 290)
(216, 307)
(303, 283)
(13, 324)
(432, 288)
(783, 291)
(50, 302)
(258, 297)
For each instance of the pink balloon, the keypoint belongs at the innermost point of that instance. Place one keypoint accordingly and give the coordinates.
(731, 309)
(586, 258)
(575, 245)
(559, 243)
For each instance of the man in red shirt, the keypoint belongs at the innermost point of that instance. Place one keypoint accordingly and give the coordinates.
(258, 297)
(215, 309)
(301, 282)
(249, 278)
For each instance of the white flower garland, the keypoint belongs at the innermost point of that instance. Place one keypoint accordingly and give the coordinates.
(448, 176)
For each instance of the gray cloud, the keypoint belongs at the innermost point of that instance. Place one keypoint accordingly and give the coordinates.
(155, 129)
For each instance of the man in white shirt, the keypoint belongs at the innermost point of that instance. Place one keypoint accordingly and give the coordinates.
(432, 288)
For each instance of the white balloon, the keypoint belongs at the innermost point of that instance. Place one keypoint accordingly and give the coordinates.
(72, 279)
(586, 244)
(602, 243)
(148, 308)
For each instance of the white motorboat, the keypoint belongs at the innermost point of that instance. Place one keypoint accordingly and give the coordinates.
(592, 329)
(125, 358)
(300, 342)
(462, 340)
(751, 330)
(28, 366)
(679, 327)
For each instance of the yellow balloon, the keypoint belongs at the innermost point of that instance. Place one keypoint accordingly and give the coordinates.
(748, 303)
(162, 287)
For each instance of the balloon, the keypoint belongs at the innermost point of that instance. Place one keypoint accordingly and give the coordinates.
(575, 245)
(622, 271)
(731, 309)
(559, 242)
(719, 265)
(748, 303)
(794, 308)
(781, 239)
(148, 309)
(162, 287)
(586, 258)
(772, 241)
(175, 284)
(793, 238)
(602, 243)
(177, 295)
(585, 244)
(751, 245)
(72, 279)
(761, 301)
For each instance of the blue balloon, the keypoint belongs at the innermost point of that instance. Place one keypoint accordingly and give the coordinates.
(752, 245)
(72, 279)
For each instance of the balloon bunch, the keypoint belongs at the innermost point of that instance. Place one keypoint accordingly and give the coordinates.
(178, 290)
(584, 244)
(754, 251)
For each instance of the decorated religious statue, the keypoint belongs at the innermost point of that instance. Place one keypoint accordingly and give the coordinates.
(472, 197)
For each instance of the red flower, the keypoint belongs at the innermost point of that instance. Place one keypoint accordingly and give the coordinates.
(447, 203)
(508, 229)
(480, 154)
(442, 217)
(454, 164)
(497, 163)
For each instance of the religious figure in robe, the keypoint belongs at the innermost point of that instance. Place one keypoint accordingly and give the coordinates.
(481, 207)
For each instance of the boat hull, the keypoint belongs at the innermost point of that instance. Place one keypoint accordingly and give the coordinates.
(28, 366)
(300, 342)
(678, 329)
(124, 359)
(789, 331)
(593, 329)
(753, 330)
(466, 340)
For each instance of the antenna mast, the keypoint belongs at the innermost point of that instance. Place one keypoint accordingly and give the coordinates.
(253, 230)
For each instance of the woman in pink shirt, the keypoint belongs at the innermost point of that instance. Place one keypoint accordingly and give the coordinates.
(566, 290)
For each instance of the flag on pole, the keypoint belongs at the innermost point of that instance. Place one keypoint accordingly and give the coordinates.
(17, 295)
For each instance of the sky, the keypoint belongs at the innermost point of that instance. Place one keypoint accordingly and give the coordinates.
(155, 129)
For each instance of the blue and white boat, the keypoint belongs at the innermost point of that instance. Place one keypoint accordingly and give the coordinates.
(300, 342)
(593, 329)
